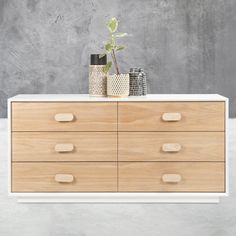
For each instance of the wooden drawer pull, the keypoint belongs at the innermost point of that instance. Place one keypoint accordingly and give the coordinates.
(64, 117)
(64, 178)
(171, 147)
(64, 147)
(171, 178)
(171, 117)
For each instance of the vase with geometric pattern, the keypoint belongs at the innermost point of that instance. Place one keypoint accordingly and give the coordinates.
(97, 78)
(118, 85)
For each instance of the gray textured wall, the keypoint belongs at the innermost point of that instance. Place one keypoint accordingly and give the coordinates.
(186, 46)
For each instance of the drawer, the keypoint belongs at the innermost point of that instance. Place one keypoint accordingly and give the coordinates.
(171, 116)
(64, 146)
(171, 146)
(37, 116)
(64, 177)
(171, 177)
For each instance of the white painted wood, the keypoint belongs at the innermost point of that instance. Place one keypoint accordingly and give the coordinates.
(158, 199)
(119, 197)
(87, 98)
(227, 146)
(9, 145)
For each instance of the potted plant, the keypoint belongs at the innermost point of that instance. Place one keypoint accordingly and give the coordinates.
(117, 84)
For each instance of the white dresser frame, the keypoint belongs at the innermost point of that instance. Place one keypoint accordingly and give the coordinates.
(120, 197)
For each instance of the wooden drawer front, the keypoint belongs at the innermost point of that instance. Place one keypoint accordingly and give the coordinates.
(97, 116)
(179, 116)
(87, 177)
(64, 146)
(148, 176)
(171, 146)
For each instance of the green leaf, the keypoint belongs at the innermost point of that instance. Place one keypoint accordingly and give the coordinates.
(107, 67)
(120, 35)
(119, 48)
(113, 25)
(102, 55)
(108, 47)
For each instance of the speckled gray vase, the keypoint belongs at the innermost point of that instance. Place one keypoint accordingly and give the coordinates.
(138, 82)
(97, 77)
(97, 81)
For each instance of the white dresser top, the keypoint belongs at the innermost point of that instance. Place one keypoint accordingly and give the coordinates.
(87, 98)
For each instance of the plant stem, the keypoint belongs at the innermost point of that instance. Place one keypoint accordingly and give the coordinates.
(115, 61)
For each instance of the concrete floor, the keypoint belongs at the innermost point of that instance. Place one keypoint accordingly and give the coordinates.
(117, 219)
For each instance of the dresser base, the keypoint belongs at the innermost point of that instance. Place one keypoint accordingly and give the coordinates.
(120, 198)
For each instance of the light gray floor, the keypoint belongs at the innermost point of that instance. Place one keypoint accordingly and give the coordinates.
(117, 219)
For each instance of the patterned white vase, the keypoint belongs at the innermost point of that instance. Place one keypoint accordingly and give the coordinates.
(97, 81)
(118, 85)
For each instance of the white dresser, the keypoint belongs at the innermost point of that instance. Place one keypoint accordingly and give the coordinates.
(157, 148)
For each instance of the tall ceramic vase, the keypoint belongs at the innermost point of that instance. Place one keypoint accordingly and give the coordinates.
(97, 78)
(118, 85)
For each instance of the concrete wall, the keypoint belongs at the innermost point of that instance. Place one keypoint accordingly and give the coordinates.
(185, 46)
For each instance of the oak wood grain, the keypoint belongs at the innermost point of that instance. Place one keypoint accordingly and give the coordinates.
(37, 116)
(147, 146)
(87, 146)
(147, 116)
(87, 177)
(195, 176)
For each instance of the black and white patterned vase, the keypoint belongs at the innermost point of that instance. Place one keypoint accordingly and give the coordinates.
(138, 82)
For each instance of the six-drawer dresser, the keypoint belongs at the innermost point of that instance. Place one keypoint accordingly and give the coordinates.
(156, 148)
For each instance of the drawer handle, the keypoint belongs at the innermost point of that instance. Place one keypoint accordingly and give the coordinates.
(171, 116)
(64, 117)
(64, 147)
(171, 178)
(171, 147)
(64, 178)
